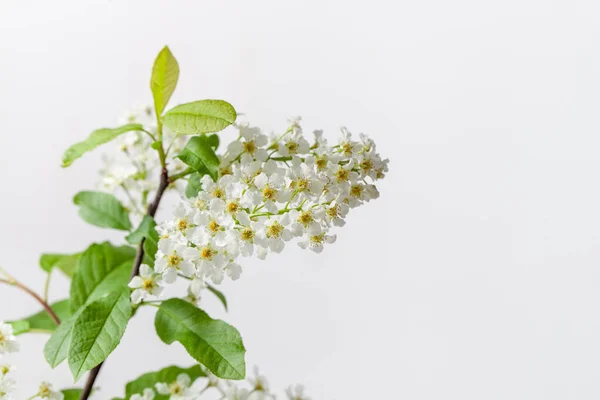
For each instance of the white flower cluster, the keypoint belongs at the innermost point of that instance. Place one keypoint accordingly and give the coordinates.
(184, 389)
(269, 192)
(9, 344)
(133, 171)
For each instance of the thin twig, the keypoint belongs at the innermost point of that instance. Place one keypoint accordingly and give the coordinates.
(49, 310)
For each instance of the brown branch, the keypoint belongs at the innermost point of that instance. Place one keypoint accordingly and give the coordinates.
(139, 256)
(47, 308)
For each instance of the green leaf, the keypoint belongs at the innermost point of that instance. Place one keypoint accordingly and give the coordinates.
(42, 321)
(213, 140)
(19, 327)
(213, 343)
(194, 186)
(98, 331)
(198, 154)
(151, 246)
(95, 139)
(219, 295)
(57, 347)
(103, 268)
(198, 117)
(165, 375)
(165, 74)
(103, 210)
(145, 229)
(67, 263)
(71, 394)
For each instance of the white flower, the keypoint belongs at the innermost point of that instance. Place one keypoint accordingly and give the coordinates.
(47, 392)
(147, 395)
(304, 179)
(260, 386)
(270, 189)
(293, 144)
(316, 241)
(296, 393)
(8, 341)
(336, 212)
(173, 258)
(179, 390)
(147, 284)
(275, 231)
(195, 289)
(235, 393)
(7, 386)
(5, 369)
(347, 145)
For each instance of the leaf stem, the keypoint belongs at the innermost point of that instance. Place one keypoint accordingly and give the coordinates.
(47, 286)
(185, 172)
(13, 282)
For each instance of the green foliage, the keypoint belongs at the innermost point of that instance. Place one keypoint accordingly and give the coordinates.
(67, 263)
(103, 268)
(213, 140)
(194, 186)
(165, 74)
(199, 155)
(103, 210)
(165, 375)
(146, 231)
(213, 343)
(57, 347)
(151, 247)
(198, 117)
(97, 331)
(95, 139)
(142, 231)
(19, 326)
(41, 321)
(219, 295)
(71, 394)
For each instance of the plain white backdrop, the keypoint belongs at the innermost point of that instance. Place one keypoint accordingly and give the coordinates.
(476, 274)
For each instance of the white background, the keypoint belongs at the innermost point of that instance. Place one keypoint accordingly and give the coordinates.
(474, 276)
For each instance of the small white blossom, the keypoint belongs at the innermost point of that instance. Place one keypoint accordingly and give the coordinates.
(8, 341)
(296, 393)
(148, 394)
(147, 284)
(173, 258)
(7, 386)
(46, 391)
(179, 390)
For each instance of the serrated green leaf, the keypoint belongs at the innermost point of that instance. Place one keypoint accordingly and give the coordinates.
(213, 343)
(165, 375)
(103, 268)
(165, 74)
(41, 321)
(198, 154)
(96, 138)
(194, 185)
(57, 347)
(219, 295)
(142, 231)
(98, 331)
(71, 394)
(198, 117)
(103, 210)
(67, 263)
